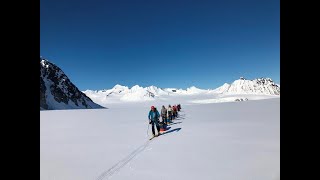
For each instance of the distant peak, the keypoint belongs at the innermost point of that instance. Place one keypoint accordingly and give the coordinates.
(43, 59)
(136, 86)
(118, 86)
(192, 87)
(264, 80)
(46, 63)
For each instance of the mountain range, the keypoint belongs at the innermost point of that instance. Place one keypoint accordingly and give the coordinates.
(58, 92)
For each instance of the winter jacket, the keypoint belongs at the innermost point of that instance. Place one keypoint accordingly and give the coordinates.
(163, 112)
(169, 111)
(174, 108)
(154, 116)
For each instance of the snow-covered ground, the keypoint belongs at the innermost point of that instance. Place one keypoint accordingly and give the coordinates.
(220, 141)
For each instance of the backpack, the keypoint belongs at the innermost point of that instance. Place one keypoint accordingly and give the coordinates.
(163, 111)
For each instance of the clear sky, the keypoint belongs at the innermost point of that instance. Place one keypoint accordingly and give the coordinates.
(165, 43)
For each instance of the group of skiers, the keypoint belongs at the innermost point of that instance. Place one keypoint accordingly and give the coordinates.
(167, 115)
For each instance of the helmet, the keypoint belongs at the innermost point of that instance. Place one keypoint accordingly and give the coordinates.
(152, 107)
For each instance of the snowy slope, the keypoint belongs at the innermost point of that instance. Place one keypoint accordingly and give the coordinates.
(58, 92)
(257, 86)
(222, 88)
(137, 93)
(156, 91)
(222, 141)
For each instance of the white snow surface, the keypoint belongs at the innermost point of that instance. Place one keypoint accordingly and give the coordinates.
(221, 141)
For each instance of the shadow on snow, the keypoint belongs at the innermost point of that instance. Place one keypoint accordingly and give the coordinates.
(172, 130)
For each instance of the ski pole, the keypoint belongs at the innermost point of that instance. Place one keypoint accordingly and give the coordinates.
(148, 130)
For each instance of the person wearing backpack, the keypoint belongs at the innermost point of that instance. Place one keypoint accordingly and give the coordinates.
(175, 111)
(154, 120)
(164, 115)
(169, 113)
(179, 107)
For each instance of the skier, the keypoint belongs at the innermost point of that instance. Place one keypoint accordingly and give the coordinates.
(164, 115)
(154, 120)
(179, 107)
(169, 113)
(174, 111)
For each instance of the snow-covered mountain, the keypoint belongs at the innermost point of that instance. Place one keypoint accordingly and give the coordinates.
(138, 93)
(239, 90)
(58, 92)
(189, 91)
(257, 86)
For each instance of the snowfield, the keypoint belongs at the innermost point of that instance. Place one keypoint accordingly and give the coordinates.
(209, 141)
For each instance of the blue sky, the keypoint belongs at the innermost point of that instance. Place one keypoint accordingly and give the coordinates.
(166, 43)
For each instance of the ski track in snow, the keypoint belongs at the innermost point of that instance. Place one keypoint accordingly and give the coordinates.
(108, 173)
(115, 168)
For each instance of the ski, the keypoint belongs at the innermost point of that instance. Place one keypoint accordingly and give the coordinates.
(154, 136)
